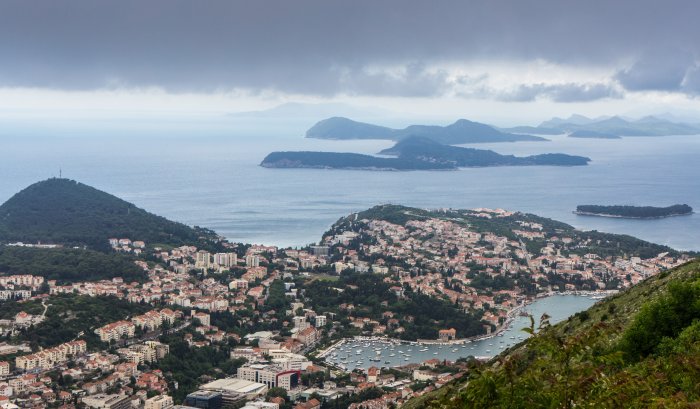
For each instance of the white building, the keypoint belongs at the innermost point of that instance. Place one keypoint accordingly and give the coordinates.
(159, 402)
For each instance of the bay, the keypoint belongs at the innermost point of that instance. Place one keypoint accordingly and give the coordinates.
(357, 354)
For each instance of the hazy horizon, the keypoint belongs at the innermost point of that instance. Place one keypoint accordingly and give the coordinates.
(505, 63)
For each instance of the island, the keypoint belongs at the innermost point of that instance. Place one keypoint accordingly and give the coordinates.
(342, 160)
(634, 212)
(615, 126)
(461, 131)
(416, 153)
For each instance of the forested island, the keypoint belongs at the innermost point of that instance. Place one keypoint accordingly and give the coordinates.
(416, 153)
(634, 212)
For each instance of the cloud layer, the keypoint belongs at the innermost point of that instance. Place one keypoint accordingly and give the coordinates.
(405, 48)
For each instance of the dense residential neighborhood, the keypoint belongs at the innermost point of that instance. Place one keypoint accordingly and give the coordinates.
(261, 320)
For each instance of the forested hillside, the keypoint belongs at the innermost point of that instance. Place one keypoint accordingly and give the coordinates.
(66, 212)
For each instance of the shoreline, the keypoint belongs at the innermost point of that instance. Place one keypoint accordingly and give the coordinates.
(502, 328)
(615, 216)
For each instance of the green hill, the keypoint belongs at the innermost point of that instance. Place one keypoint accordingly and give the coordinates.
(63, 211)
(638, 349)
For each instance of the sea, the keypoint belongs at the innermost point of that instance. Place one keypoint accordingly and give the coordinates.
(362, 354)
(207, 173)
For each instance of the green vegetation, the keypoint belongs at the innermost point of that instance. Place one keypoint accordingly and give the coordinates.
(69, 265)
(190, 366)
(634, 212)
(67, 212)
(420, 315)
(638, 349)
(69, 315)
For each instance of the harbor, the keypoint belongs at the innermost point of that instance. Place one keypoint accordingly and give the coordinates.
(365, 352)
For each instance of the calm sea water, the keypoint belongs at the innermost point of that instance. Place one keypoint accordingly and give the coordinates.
(558, 307)
(209, 176)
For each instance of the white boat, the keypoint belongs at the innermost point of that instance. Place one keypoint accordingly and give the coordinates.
(434, 353)
(392, 354)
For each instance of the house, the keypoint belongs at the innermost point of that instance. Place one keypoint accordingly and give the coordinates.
(447, 334)
(308, 336)
(312, 404)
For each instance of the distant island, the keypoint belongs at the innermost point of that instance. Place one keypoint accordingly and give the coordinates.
(341, 160)
(462, 131)
(416, 153)
(634, 212)
(610, 127)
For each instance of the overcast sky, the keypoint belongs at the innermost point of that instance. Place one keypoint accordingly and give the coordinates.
(531, 57)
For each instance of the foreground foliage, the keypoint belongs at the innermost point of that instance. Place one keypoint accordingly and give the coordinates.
(640, 349)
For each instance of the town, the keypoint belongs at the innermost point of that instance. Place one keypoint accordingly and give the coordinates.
(249, 327)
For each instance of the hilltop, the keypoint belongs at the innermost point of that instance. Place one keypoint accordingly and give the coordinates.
(640, 348)
(67, 212)
(461, 131)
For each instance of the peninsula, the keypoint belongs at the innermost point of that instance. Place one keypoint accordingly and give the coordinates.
(634, 212)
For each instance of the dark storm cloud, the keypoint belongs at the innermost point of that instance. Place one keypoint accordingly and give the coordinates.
(325, 47)
(414, 80)
(569, 92)
(657, 70)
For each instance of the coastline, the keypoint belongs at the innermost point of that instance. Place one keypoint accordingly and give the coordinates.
(500, 329)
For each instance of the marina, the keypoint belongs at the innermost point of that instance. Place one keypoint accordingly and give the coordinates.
(365, 352)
